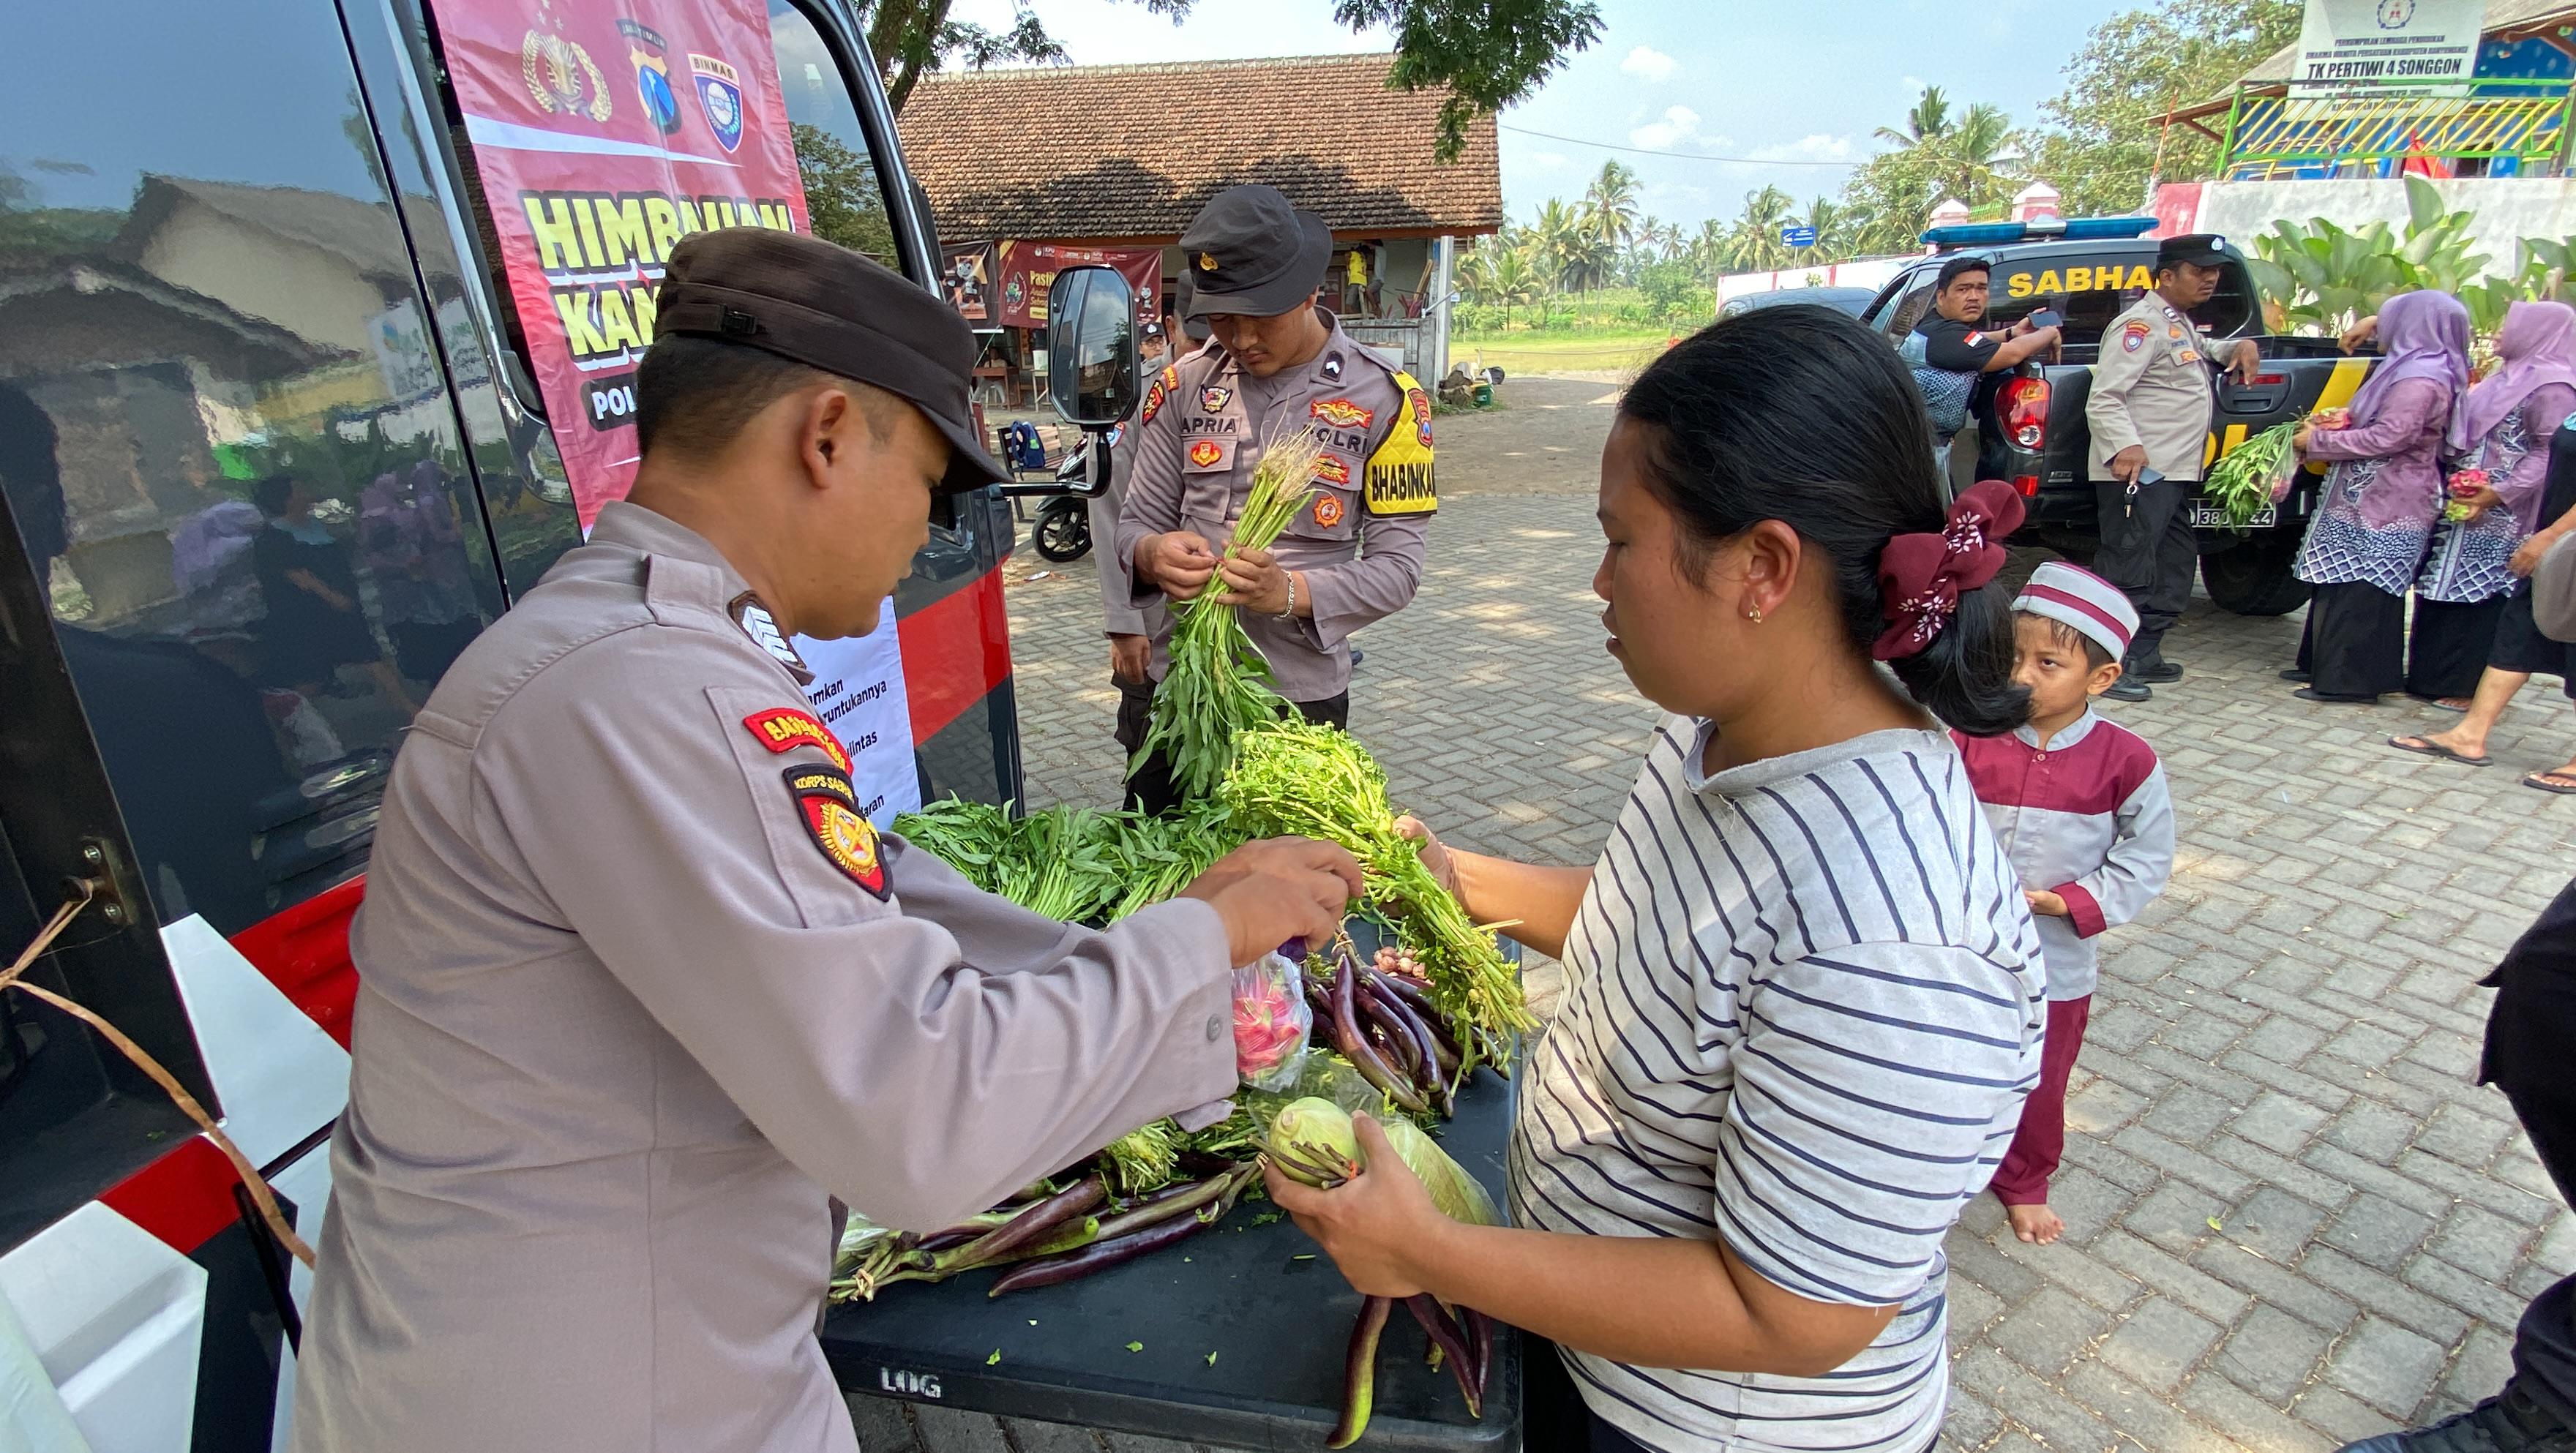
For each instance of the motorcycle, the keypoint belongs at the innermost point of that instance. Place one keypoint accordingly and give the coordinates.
(1061, 530)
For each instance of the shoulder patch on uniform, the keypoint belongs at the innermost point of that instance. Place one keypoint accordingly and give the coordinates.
(1155, 396)
(1333, 368)
(1341, 413)
(1399, 473)
(843, 833)
(762, 627)
(2134, 336)
(784, 729)
(1215, 397)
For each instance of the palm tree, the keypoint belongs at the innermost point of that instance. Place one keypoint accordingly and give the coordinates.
(1927, 120)
(1556, 236)
(1610, 203)
(1980, 154)
(1512, 282)
(1832, 222)
(1753, 243)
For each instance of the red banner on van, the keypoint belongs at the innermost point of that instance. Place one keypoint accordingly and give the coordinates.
(605, 131)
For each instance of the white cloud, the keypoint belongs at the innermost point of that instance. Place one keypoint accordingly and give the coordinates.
(1547, 161)
(1679, 124)
(1816, 147)
(1649, 63)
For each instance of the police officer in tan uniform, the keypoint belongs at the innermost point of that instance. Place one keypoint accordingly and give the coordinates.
(1278, 363)
(2149, 410)
(1134, 631)
(641, 990)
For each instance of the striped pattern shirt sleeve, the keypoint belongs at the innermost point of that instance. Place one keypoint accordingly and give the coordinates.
(1863, 1114)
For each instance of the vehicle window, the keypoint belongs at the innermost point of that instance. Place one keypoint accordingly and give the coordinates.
(230, 447)
(1909, 311)
(844, 192)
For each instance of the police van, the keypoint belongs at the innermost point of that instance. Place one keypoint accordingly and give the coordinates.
(294, 400)
(2031, 426)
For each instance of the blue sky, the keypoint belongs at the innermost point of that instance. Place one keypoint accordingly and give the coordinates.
(1779, 83)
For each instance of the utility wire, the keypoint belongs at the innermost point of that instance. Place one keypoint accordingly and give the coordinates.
(1676, 155)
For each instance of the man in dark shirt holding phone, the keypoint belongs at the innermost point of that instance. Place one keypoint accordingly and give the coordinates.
(1952, 349)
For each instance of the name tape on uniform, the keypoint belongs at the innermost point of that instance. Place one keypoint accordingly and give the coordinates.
(784, 728)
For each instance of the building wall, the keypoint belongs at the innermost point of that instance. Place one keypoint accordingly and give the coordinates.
(2504, 209)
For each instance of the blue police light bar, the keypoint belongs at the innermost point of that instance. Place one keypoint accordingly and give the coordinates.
(1996, 234)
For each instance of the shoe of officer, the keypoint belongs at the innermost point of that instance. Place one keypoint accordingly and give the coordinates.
(2128, 688)
(2509, 1422)
(2153, 670)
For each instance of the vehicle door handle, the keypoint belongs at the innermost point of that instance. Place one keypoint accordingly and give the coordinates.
(2252, 400)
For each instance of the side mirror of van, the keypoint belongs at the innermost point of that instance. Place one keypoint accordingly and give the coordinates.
(1091, 346)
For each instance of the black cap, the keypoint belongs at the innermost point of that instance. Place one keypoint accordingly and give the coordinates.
(829, 308)
(1149, 329)
(1194, 324)
(2203, 249)
(1251, 252)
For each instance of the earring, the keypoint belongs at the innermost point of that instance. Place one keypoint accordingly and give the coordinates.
(1754, 614)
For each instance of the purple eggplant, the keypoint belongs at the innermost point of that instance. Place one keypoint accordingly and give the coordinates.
(1452, 1342)
(1359, 1378)
(1034, 1224)
(1135, 1239)
(1480, 1346)
(1356, 1047)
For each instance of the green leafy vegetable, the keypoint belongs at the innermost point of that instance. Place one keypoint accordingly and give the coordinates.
(1218, 686)
(1292, 778)
(2241, 483)
(1141, 1160)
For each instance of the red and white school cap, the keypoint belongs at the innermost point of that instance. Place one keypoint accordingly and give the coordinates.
(2097, 609)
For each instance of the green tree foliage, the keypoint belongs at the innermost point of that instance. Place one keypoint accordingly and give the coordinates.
(1610, 205)
(2103, 130)
(1486, 54)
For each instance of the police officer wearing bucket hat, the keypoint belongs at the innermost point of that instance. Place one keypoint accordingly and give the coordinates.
(642, 991)
(1277, 363)
(2153, 392)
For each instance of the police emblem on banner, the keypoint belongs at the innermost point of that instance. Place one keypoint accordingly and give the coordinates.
(720, 97)
(652, 74)
(562, 78)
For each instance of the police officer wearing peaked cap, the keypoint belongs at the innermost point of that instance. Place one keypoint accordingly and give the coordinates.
(642, 992)
(1277, 363)
(2149, 409)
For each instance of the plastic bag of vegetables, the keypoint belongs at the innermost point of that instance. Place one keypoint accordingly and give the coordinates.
(1271, 1022)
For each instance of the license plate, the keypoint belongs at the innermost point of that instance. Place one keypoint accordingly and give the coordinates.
(2206, 516)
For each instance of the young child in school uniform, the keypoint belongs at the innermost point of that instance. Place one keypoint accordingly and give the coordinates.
(2080, 807)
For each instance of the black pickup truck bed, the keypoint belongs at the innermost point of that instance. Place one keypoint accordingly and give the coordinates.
(2031, 423)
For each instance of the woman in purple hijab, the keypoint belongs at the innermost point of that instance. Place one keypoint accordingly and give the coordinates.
(2375, 520)
(2461, 591)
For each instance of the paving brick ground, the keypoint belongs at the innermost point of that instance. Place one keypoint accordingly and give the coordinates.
(2293, 1219)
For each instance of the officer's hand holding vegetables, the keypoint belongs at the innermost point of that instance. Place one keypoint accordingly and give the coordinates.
(1270, 892)
(1177, 561)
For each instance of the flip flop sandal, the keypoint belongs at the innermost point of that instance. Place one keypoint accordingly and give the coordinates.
(2427, 747)
(2536, 781)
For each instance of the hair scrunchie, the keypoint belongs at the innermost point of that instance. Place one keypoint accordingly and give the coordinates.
(1921, 576)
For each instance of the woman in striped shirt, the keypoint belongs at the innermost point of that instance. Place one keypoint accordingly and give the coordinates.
(1804, 997)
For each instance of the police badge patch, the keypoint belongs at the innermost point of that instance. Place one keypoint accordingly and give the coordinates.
(2134, 336)
(832, 817)
(720, 97)
(652, 74)
(1213, 398)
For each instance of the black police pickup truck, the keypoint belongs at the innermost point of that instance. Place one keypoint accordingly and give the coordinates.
(2031, 423)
